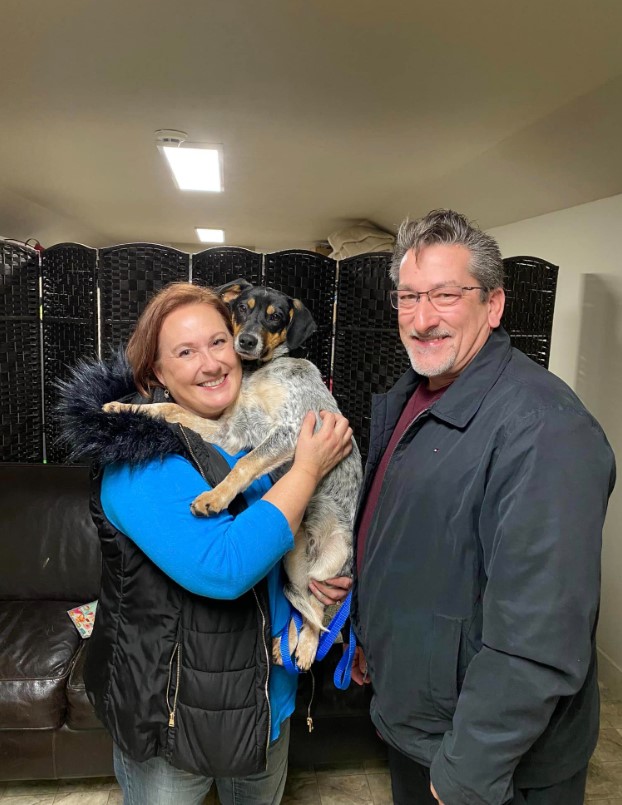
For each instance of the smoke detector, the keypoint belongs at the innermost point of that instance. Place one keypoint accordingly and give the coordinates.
(170, 137)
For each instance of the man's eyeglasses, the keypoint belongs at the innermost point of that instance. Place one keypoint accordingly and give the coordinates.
(439, 298)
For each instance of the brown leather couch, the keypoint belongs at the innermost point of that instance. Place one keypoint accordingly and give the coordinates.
(49, 563)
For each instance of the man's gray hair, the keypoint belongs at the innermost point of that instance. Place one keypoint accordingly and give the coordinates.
(450, 228)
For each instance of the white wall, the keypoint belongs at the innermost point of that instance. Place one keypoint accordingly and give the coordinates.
(22, 218)
(586, 351)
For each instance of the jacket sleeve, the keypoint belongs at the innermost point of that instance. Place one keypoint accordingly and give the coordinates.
(540, 528)
(219, 556)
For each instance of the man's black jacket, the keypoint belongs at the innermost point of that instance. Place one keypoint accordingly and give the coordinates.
(478, 595)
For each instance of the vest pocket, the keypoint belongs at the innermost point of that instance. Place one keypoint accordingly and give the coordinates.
(443, 666)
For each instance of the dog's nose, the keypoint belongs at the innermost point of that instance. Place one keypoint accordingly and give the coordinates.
(247, 342)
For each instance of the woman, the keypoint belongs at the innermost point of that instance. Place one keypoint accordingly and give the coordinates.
(178, 667)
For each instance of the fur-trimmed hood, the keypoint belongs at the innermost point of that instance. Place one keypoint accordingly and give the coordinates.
(93, 435)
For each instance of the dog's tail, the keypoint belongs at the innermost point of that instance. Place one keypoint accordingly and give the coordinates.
(300, 601)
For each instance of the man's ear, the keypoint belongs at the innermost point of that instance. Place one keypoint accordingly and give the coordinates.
(301, 326)
(230, 291)
(496, 305)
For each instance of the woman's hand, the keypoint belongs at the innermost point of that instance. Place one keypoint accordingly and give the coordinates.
(317, 453)
(331, 591)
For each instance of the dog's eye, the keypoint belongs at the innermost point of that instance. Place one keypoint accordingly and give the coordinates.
(242, 308)
(274, 316)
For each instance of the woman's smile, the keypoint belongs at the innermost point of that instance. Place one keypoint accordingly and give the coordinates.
(211, 384)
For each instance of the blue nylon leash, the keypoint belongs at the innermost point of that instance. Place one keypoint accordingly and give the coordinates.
(343, 671)
(334, 627)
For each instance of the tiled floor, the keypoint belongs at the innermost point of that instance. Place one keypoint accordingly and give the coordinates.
(336, 785)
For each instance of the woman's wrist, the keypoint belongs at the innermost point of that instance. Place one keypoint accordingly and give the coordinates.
(306, 471)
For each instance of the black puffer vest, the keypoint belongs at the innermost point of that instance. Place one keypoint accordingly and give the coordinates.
(170, 673)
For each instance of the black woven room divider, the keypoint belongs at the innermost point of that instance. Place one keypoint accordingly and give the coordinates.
(309, 277)
(129, 275)
(369, 356)
(530, 286)
(69, 317)
(217, 266)
(356, 347)
(21, 416)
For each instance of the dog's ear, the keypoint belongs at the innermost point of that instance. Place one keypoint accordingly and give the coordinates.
(301, 326)
(230, 291)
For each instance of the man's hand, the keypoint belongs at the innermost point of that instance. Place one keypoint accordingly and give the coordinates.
(359, 666)
(435, 795)
(331, 591)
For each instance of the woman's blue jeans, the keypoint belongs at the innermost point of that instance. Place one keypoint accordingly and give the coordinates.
(156, 782)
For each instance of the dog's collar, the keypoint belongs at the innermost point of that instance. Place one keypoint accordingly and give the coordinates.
(251, 366)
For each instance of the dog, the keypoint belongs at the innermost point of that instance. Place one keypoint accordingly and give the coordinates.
(276, 393)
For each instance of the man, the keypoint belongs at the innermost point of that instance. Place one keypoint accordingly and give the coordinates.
(478, 549)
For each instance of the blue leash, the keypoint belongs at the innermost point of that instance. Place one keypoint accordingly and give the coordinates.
(343, 671)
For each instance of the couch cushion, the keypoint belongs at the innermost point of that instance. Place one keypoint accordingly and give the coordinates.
(80, 713)
(49, 548)
(38, 642)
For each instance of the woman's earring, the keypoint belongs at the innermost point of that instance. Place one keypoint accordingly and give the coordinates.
(167, 393)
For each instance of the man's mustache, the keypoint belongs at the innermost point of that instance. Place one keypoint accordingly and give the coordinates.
(429, 335)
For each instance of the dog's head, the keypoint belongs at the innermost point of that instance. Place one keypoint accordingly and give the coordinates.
(266, 323)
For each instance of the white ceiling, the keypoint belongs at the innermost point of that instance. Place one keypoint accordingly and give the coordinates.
(328, 111)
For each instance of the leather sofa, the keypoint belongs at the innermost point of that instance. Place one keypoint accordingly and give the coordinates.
(50, 562)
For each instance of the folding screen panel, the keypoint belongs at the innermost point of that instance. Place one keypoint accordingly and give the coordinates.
(530, 286)
(217, 266)
(369, 356)
(129, 275)
(309, 277)
(21, 419)
(69, 313)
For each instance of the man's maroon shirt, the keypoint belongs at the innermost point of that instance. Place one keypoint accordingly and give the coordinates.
(421, 399)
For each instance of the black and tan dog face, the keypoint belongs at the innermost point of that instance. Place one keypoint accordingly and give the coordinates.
(266, 323)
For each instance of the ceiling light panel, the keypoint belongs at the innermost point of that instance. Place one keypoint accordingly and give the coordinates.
(195, 166)
(210, 235)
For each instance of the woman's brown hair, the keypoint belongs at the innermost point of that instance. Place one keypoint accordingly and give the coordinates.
(142, 348)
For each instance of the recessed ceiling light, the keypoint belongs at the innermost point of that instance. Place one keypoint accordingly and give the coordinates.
(195, 166)
(210, 235)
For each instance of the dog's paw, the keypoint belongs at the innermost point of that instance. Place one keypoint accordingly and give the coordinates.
(277, 659)
(208, 503)
(204, 505)
(115, 407)
(292, 637)
(306, 648)
(211, 502)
